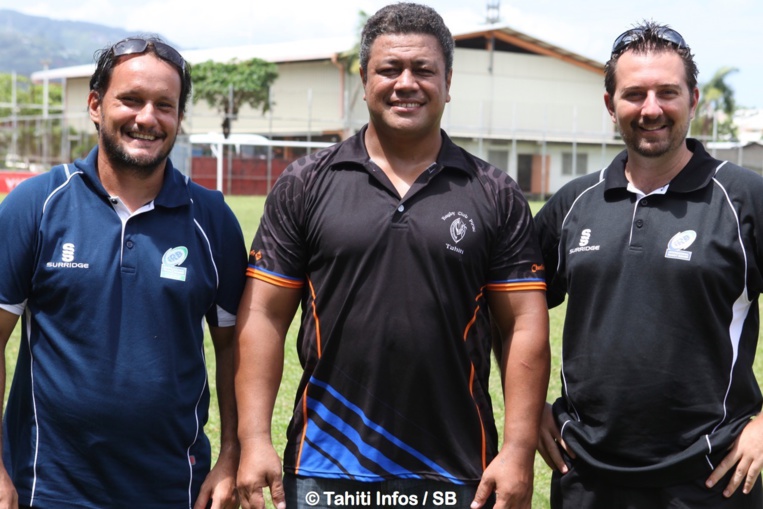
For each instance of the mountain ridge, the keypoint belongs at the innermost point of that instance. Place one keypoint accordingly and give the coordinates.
(27, 42)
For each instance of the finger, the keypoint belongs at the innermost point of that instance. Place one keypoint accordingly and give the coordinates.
(484, 490)
(750, 479)
(722, 469)
(203, 499)
(251, 499)
(735, 481)
(277, 493)
(569, 451)
(549, 451)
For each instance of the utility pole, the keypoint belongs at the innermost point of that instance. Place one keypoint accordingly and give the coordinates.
(493, 11)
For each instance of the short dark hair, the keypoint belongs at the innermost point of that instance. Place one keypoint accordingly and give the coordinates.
(406, 18)
(650, 37)
(106, 61)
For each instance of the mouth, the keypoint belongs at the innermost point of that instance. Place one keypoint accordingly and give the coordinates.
(143, 136)
(407, 105)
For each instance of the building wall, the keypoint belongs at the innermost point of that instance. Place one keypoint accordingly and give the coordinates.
(508, 108)
(525, 96)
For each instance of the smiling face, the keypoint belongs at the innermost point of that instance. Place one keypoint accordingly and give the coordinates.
(652, 104)
(406, 85)
(138, 116)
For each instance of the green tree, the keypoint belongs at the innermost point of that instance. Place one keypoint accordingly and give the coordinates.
(351, 58)
(716, 96)
(246, 82)
(23, 129)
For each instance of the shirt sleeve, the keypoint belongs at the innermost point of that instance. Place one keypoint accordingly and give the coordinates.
(278, 249)
(548, 222)
(20, 214)
(516, 263)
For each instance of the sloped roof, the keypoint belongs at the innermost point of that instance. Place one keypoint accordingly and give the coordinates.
(503, 38)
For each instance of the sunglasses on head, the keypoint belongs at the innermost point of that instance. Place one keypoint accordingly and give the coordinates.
(137, 45)
(630, 36)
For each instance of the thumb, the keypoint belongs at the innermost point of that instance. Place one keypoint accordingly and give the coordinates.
(277, 493)
(484, 490)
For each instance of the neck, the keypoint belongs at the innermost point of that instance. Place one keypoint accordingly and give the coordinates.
(650, 173)
(402, 158)
(132, 186)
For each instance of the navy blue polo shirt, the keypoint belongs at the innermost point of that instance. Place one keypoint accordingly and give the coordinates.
(110, 392)
(662, 316)
(395, 336)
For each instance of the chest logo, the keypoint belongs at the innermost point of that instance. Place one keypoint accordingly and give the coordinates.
(585, 238)
(171, 260)
(67, 259)
(678, 245)
(460, 225)
(457, 230)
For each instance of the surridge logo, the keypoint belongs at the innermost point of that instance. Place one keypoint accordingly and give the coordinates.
(460, 225)
(67, 259)
(585, 238)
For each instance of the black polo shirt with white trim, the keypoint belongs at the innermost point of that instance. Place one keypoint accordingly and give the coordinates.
(662, 316)
(395, 337)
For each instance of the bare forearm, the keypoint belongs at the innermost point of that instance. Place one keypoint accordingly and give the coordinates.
(258, 377)
(526, 373)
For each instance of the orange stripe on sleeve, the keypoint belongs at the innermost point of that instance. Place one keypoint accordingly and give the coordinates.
(517, 287)
(273, 279)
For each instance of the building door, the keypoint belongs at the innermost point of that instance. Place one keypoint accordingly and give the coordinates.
(525, 172)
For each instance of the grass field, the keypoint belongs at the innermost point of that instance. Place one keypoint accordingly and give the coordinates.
(248, 211)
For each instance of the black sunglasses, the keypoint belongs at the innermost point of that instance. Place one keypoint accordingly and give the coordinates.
(630, 36)
(136, 46)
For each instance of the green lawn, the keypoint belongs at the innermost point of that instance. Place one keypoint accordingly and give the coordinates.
(248, 210)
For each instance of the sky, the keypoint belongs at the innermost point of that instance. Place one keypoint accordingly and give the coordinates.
(730, 35)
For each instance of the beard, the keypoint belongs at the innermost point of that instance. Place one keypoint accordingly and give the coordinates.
(654, 148)
(122, 161)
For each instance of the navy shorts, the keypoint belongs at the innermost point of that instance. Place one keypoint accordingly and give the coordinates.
(319, 493)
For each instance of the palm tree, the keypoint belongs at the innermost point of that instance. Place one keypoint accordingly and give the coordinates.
(715, 111)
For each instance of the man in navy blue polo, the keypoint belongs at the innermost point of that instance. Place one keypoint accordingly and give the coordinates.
(659, 256)
(114, 263)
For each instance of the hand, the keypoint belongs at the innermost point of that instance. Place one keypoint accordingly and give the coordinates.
(9, 499)
(550, 440)
(510, 478)
(220, 484)
(260, 467)
(747, 454)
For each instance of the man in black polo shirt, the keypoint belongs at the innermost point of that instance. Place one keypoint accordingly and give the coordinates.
(399, 245)
(660, 256)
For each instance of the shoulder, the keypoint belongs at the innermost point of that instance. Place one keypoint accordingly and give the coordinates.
(208, 205)
(732, 173)
(37, 190)
(557, 206)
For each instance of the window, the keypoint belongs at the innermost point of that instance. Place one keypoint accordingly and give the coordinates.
(574, 166)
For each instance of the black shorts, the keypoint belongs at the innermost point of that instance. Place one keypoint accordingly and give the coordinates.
(317, 493)
(576, 490)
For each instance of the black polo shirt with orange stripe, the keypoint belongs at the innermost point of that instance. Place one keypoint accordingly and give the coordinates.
(395, 336)
(662, 316)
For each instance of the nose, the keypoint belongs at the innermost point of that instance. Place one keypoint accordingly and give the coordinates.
(406, 80)
(146, 114)
(651, 107)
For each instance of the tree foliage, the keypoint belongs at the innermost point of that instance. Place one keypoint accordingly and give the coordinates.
(29, 96)
(351, 58)
(250, 80)
(24, 133)
(716, 107)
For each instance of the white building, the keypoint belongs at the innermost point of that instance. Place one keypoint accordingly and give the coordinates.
(527, 106)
